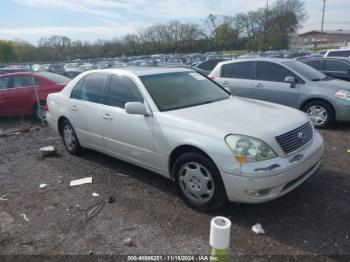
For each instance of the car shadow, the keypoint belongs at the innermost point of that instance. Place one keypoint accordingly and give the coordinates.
(313, 218)
(341, 126)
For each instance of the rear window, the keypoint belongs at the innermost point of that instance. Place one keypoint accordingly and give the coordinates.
(208, 65)
(56, 78)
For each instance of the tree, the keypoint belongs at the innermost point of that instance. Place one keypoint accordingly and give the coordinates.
(7, 53)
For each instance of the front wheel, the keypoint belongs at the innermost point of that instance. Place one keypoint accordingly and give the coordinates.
(320, 113)
(199, 182)
(70, 138)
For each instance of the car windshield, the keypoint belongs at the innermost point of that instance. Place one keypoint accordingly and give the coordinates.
(306, 71)
(172, 91)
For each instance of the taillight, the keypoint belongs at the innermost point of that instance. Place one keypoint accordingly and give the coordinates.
(211, 77)
(46, 107)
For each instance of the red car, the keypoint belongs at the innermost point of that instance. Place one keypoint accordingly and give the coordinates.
(17, 94)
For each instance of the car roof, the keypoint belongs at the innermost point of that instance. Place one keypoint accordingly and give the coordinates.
(339, 49)
(258, 59)
(19, 73)
(345, 59)
(141, 71)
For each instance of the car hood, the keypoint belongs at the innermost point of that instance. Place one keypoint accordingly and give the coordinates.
(335, 84)
(236, 115)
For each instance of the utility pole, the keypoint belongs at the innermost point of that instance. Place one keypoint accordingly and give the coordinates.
(267, 4)
(323, 10)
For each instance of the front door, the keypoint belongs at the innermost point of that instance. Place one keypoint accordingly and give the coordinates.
(270, 84)
(127, 136)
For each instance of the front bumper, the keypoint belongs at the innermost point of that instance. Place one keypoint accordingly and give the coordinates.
(256, 184)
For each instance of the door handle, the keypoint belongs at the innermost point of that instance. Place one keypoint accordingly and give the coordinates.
(259, 85)
(225, 83)
(74, 108)
(107, 117)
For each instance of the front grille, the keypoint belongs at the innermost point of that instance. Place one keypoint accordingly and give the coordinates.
(295, 139)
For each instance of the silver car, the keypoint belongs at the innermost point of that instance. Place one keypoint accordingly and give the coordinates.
(289, 83)
(180, 124)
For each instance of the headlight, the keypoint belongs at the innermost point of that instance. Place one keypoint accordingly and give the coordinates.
(249, 149)
(343, 94)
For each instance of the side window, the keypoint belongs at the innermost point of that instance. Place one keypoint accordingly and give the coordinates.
(77, 89)
(4, 81)
(332, 65)
(23, 81)
(123, 90)
(242, 70)
(314, 63)
(339, 53)
(226, 70)
(92, 87)
(267, 71)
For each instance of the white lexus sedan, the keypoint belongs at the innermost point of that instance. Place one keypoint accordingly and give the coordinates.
(187, 128)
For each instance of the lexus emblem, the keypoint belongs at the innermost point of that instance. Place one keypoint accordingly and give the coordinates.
(301, 136)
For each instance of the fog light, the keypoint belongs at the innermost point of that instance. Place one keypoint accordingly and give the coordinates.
(258, 193)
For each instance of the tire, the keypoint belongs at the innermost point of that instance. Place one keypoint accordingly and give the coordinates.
(199, 182)
(39, 112)
(320, 113)
(70, 139)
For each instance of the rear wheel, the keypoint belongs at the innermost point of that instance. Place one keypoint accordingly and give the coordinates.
(199, 181)
(70, 138)
(320, 113)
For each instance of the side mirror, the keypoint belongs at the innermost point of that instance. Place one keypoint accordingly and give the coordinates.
(290, 79)
(136, 108)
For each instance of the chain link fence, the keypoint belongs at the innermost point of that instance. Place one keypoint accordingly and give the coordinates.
(24, 87)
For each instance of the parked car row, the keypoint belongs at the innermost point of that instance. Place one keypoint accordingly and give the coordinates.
(261, 75)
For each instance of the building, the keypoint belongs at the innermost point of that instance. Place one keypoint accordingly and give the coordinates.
(330, 37)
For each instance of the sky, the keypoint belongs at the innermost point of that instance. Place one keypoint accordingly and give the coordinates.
(90, 20)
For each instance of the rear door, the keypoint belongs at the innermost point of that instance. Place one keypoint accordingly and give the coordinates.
(238, 77)
(86, 109)
(269, 84)
(127, 136)
(336, 69)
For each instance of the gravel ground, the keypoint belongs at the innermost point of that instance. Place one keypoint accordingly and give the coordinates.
(314, 219)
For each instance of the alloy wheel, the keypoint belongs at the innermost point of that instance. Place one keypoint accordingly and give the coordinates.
(196, 182)
(317, 114)
(69, 137)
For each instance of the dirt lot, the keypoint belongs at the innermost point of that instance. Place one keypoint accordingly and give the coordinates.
(314, 219)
